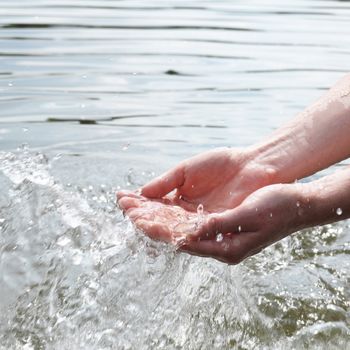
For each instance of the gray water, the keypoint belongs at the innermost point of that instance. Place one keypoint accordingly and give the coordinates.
(101, 95)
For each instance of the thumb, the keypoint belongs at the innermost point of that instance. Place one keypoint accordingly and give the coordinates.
(230, 221)
(165, 183)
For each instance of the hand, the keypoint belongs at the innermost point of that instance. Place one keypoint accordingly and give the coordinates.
(266, 216)
(214, 181)
(217, 179)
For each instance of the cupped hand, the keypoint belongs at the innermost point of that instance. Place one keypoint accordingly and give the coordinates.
(266, 216)
(218, 179)
(208, 183)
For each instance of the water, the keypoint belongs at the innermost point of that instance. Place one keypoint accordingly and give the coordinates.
(101, 95)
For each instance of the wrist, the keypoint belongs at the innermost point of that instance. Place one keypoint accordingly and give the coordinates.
(264, 159)
(325, 200)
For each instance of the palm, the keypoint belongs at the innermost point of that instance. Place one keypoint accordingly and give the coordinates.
(161, 219)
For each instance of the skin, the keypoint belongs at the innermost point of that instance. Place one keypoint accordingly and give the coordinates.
(230, 204)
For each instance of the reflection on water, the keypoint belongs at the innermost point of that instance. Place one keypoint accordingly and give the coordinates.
(97, 90)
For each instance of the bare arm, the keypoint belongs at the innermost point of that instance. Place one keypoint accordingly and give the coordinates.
(317, 138)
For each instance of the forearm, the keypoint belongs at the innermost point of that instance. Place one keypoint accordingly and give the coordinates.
(314, 140)
(325, 200)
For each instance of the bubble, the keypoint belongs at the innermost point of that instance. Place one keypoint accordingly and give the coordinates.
(339, 211)
(219, 237)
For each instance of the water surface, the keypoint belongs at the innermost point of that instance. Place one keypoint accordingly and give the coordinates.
(101, 95)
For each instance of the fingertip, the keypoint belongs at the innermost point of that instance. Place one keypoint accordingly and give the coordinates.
(125, 203)
(122, 193)
(164, 184)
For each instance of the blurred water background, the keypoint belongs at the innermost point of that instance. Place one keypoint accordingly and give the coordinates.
(101, 95)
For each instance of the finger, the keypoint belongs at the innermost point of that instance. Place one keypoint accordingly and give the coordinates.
(165, 183)
(125, 203)
(238, 220)
(231, 250)
(207, 249)
(125, 193)
(154, 230)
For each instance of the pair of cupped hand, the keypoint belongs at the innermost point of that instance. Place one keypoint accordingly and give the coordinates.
(218, 204)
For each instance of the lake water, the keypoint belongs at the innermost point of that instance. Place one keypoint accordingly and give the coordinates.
(101, 95)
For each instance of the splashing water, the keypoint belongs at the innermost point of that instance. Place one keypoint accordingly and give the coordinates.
(76, 274)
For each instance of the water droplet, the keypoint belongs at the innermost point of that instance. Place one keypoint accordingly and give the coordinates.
(219, 237)
(192, 186)
(185, 228)
(25, 129)
(10, 84)
(200, 209)
(339, 211)
(63, 241)
(297, 204)
(230, 193)
(179, 242)
(125, 147)
(271, 215)
(239, 228)
(57, 156)
(77, 259)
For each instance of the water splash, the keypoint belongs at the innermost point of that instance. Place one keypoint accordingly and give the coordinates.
(76, 274)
